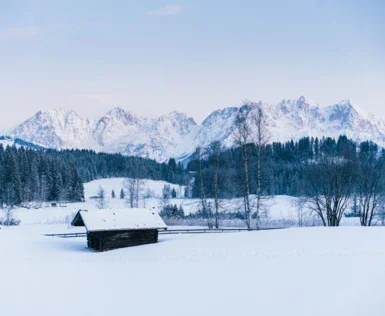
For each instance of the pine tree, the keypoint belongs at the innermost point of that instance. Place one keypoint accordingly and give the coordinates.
(33, 182)
(12, 178)
(55, 188)
(122, 194)
(113, 194)
(76, 188)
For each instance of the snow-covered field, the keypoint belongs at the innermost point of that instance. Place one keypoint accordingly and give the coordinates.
(297, 271)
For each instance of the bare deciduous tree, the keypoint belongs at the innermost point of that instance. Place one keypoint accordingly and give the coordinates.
(261, 137)
(138, 191)
(101, 202)
(251, 129)
(188, 189)
(147, 195)
(243, 137)
(300, 205)
(166, 196)
(370, 190)
(206, 209)
(328, 188)
(9, 219)
(381, 215)
(218, 177)
(133, 187)
(129, 186)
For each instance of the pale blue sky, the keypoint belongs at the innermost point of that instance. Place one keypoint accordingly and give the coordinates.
(155, 56)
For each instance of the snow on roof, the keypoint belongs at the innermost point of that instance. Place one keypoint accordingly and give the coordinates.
(124, 219)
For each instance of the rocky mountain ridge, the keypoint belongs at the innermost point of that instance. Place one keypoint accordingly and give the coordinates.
(177, 135)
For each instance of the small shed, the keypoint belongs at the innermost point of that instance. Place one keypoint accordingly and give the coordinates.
(112, 229)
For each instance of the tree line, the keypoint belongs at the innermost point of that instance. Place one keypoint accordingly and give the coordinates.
(31, 175)
(92, 166)
(284, 165)
(41, 175)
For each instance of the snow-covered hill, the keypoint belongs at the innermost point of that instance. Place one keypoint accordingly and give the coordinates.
(6, 141)
(176, 135)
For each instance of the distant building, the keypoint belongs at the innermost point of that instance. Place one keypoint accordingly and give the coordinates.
(112, 229)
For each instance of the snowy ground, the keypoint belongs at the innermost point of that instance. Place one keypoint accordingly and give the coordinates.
(297, 271)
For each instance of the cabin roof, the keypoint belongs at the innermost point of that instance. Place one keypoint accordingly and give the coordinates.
(124, 219)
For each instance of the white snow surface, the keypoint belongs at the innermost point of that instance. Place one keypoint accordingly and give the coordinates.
(294, 272)
(132, 218)
(176, 135)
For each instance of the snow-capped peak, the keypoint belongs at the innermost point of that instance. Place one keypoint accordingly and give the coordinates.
(302, 103)
(346, 109)
(55, 128)
(116, 112)
(178, 116)
(348, 104)
(119, 115)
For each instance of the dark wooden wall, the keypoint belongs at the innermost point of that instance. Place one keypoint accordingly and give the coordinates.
(107, 240)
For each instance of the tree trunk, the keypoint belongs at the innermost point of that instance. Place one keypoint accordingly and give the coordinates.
(247, 189)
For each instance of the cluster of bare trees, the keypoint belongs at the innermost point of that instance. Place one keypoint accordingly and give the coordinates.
(8, 218)
(251, 133)
(134, 192)
(332, 184)
(165, 197)
(370, 191)
(328, 188)
(216, 179)
(101, 198)
(251, 129)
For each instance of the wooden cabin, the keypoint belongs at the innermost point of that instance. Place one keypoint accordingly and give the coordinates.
(112, 229)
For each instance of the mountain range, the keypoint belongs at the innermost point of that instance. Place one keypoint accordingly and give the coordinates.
(177, 135)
